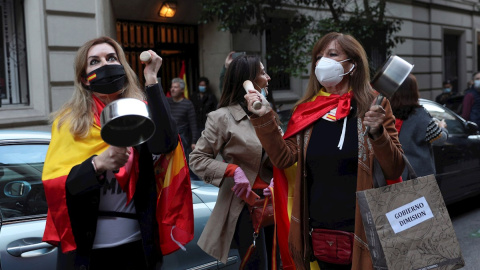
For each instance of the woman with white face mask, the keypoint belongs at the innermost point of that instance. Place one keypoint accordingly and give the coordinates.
(334, 159)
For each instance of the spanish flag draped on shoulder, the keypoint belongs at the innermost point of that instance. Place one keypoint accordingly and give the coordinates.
(65, 152)
(334, 107)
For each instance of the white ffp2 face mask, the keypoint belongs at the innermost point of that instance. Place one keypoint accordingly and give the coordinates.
(330, 72)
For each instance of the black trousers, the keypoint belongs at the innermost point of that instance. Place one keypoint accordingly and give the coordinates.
(243, 238)
(129, 256)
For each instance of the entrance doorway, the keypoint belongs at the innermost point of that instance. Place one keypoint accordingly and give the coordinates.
(174, 43)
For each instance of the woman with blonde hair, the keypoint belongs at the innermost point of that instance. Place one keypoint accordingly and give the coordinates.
(77, 109)
(325, 137)
(102, 199)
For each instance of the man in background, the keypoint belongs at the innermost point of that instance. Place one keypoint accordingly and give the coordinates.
(471, 101)
(184, 114)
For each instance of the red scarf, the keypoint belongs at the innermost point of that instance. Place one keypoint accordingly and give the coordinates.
(307, 113)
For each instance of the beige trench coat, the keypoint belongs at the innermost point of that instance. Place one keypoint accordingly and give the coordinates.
(228, 132)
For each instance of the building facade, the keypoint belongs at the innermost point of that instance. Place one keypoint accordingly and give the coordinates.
(40, 38)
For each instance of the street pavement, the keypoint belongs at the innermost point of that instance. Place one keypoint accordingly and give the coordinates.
(465, 217)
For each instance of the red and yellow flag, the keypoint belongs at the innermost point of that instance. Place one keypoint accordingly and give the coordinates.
(174, 204)
(183, 76)
(283, 190)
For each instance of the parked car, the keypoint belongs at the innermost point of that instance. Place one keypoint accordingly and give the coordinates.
(457, 161)
(23, 210)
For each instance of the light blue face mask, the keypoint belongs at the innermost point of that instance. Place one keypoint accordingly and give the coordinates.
(476, 83)
(202, 88)
(262, 90)
(447, 90)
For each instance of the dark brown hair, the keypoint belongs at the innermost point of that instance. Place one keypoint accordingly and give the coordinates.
(246, 67)
(405, 99)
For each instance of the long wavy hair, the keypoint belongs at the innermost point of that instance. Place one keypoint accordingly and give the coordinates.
(246, 67)
(405, 100)
(79, 110)
(359, 79)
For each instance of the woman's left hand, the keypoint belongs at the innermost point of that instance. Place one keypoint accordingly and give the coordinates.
(374, 119)
(151, 68)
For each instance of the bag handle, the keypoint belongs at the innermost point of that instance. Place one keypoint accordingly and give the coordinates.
(379, 178)
(256, 231)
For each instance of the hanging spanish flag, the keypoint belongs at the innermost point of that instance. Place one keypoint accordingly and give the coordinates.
(283, 190)
(175, 205)
(183, 76)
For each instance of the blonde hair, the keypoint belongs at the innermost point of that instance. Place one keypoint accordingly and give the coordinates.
(359, 79)
(79, 110)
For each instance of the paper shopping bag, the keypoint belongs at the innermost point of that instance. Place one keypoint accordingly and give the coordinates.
(408, 226)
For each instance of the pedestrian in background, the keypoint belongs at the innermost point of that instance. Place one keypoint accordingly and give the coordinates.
(446, 93)
(184, 114)
(471, 101)
(325, 138)
(245, 173)
(102, 199)
(204, 102)
(416, 127)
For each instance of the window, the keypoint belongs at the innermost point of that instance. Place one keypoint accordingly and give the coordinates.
(13, 58)
(21, 188)
(275, 35)
(451, 56)
(454, 125)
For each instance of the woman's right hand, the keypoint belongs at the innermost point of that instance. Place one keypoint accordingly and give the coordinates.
(252, 97)
(111, 159)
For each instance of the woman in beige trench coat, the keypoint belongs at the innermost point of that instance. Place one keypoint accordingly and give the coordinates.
(228, 132)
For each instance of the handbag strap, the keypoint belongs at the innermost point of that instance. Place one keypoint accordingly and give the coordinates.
(257, 230)
(379, 178)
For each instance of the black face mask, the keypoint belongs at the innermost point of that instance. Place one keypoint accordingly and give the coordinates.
(107, 79)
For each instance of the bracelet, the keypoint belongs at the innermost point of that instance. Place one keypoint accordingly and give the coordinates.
(150, 85)
(99, 177)
(94, 166)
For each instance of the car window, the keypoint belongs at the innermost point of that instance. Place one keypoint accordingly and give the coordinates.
(454, 125)
(21, 188)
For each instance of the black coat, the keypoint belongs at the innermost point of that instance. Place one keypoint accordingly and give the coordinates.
(204, 105)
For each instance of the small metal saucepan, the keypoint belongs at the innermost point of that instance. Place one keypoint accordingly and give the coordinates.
(392, 74)
(387, 79)
(126, 122)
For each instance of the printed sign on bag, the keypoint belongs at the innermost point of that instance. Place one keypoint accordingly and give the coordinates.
(409, 215)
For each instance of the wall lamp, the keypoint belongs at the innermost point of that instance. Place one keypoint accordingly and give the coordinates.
(168, 9)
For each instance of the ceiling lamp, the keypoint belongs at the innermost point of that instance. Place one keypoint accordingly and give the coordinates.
(168, 9)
